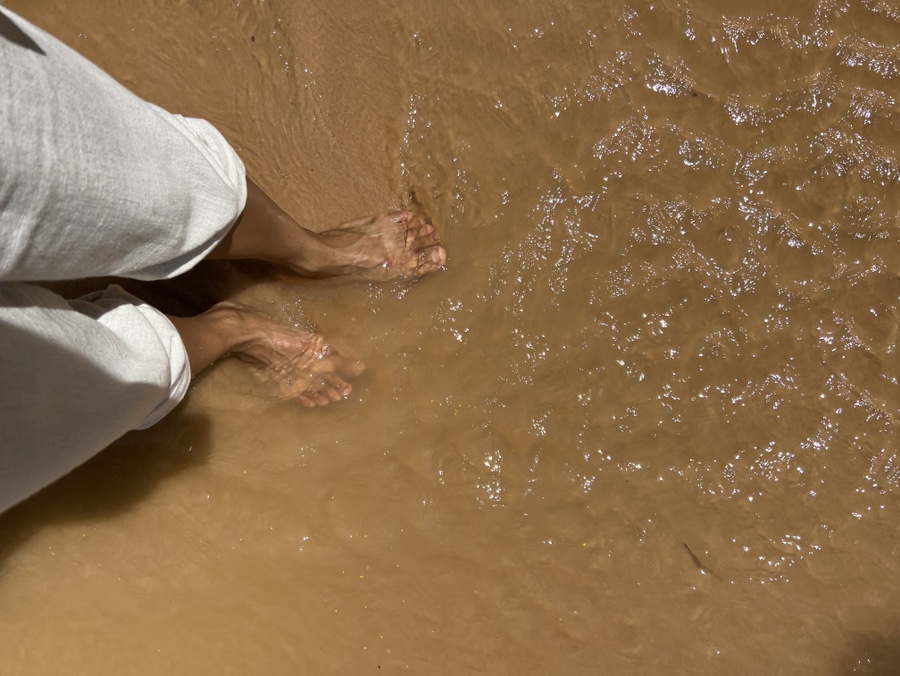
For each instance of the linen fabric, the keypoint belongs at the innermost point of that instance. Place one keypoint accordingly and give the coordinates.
(94, 182)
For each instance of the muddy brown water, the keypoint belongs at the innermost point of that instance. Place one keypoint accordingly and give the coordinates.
(644, 422)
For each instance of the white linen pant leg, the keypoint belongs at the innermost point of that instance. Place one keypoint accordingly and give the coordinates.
(93, 182)
(76, 375)
(96, 182)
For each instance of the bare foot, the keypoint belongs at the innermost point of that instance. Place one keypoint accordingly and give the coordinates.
(299, 365)
(399, 244)
(302, 367)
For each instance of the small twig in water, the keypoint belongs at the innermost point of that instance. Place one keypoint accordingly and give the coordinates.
(697, 562)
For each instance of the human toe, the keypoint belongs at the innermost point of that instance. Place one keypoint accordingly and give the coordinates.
(335, 387)
(426, 237)
(306, 399)
(400, 216)
(430, 259)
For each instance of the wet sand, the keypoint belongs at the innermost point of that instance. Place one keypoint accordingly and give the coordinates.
(646, 420)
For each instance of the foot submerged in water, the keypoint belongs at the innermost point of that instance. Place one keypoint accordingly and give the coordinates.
(297, 365)
(308, 371)
(399, 244)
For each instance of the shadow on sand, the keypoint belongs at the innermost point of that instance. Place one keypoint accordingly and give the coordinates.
(874, 655)
(111, 482)
(198, 289)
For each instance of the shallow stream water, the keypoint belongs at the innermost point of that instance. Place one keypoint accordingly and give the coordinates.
(644, 422)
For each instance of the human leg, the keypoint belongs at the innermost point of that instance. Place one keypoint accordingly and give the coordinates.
(95, 181)
(303, 366)
(397, 244)
(76, 375)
